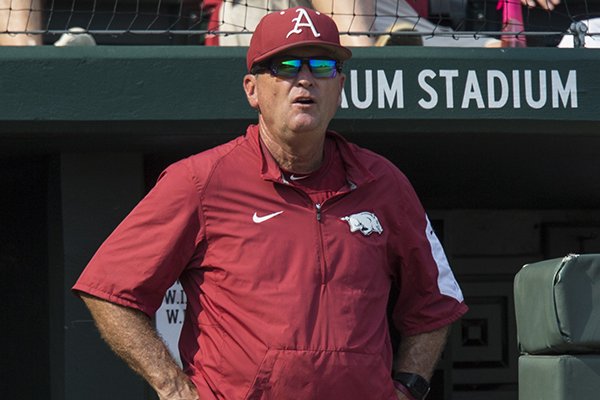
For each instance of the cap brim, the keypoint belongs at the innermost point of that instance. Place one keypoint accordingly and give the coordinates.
(338, 52)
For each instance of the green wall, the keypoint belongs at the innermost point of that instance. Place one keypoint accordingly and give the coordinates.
(48, 90)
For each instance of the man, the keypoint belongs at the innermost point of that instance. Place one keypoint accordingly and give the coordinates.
(287, 242)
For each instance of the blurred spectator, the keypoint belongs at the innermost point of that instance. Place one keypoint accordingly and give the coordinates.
(545, 4)
(242, 16)
(20, 16)
(394, 16)
(351, 16)
(211, 9)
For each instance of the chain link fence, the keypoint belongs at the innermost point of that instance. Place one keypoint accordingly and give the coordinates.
(464, 23)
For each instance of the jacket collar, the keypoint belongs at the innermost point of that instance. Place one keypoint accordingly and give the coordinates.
(357, 173)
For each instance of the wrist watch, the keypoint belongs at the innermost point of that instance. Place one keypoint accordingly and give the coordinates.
(416, 384)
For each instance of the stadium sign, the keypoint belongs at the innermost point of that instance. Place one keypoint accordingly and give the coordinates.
(462, 89)
(189, 84)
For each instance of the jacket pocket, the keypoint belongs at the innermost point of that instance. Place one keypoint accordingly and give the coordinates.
(328, 375)
(262, 380)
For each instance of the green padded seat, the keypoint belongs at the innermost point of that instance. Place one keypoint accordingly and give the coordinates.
(557, 305)
(559, 377)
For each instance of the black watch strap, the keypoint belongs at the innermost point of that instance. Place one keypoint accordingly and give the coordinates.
(415, 383)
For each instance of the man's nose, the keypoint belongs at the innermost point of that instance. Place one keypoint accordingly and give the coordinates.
(304, 75)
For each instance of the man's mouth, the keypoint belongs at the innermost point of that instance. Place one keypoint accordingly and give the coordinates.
(304, 100)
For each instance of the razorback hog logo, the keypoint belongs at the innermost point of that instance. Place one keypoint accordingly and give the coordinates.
(365, 222)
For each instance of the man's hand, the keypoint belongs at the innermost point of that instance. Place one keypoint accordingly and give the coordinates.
(181, 389)
(404, 394)
(545, 4)
(401, 395)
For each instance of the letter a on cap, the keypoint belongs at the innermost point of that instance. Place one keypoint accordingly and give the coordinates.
(302, 14)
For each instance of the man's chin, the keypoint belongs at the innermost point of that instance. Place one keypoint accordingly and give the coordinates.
(305, 123)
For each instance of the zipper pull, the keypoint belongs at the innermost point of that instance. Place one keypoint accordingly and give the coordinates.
(318, 207)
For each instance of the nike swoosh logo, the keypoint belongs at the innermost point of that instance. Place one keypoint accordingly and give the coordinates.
(297, 178)
(258, 220)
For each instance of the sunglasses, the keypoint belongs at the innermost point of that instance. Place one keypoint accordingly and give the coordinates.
(290, 67)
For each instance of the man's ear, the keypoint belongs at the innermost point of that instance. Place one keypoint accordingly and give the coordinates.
(250, 89)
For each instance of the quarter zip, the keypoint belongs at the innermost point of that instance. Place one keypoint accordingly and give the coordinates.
(318, 207)
(322, 252)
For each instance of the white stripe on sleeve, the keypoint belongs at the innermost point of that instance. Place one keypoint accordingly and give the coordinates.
(446, 282)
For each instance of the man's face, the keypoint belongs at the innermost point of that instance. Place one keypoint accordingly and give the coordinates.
(297, 104)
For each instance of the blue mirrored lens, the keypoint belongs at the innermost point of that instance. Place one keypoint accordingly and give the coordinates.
(320, 68)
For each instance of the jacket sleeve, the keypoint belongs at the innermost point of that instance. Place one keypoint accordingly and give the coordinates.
(151, 247)
(429, 295)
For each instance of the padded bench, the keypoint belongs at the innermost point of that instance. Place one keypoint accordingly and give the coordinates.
(557, 306)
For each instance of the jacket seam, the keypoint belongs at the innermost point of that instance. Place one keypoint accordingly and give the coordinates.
(202, 189)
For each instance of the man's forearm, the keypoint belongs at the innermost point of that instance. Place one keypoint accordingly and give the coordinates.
(132, 336)
(420, 354)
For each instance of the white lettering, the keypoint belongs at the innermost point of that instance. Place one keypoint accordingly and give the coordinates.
(299, 24)
(529, 89)
(493, 76)
(516, 89)
(433, 96)
(566, 91)
(389, 93)
(344, 99)
(358, 103)
(449, 75)
(472, 91)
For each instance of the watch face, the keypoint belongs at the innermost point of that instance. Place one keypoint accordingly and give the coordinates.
(418, 391)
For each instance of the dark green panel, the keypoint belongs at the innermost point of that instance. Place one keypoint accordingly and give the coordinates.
(107, 83)
(24, 363)
(118, 83)
(97, 191)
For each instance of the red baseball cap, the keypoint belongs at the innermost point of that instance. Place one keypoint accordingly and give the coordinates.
(294, 27)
